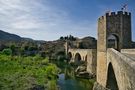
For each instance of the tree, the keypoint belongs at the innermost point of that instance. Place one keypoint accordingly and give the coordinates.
(12, 47)
(61, 38)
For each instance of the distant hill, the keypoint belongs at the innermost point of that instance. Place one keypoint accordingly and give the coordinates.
(5, 36)
(52, 49)
(85, 43)
(9, 37)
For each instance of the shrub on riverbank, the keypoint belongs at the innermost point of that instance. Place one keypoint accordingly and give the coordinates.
(26, 73)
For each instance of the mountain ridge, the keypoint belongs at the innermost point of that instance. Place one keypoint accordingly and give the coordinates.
(6, 36)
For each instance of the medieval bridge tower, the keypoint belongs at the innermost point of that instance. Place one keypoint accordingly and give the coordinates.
(111, 25)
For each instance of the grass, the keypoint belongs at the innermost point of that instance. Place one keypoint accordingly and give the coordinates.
(26, 73)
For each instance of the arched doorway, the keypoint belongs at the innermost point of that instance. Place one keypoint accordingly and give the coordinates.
(111, 79)
(113, 41)
(69, 56)
(77, 58)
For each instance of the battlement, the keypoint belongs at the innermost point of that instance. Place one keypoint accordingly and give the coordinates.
(119, 13)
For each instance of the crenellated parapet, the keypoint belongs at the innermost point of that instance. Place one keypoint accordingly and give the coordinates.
(115, 14)
(119, 13)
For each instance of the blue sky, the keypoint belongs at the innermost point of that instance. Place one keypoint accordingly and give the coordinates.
(50, 19)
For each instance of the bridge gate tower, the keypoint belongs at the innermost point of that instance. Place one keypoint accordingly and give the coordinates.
(111, 25)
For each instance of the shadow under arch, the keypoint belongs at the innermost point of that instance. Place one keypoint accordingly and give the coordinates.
(111, 79)
(113, 41)
(78, 57)
(86, 58)
(69, 56)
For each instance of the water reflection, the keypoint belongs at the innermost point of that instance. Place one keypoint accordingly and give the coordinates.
(68, 81)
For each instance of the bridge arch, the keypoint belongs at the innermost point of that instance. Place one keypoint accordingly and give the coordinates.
(113, 41)
(86, 58)
(70, 56)
(111, 78)
(78, 57)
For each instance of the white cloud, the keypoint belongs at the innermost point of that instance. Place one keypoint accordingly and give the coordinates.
(40, 21)
(25, 25)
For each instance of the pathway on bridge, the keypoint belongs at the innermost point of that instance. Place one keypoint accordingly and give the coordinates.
(132, 56)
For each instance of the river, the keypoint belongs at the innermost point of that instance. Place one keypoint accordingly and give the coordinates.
(68, 81)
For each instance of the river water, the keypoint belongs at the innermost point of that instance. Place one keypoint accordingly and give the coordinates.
(73, 84)
(68, 81)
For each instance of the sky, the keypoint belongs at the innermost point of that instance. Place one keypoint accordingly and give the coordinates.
(50, 19)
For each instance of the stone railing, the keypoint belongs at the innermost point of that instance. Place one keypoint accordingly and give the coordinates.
(124, 68)
(129, 51)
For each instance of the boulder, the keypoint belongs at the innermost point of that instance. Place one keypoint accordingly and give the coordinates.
(80, 69)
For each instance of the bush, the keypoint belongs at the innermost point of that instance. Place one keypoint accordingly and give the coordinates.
(45, 61)
(37, 57)
(7, 51)
(26, 73)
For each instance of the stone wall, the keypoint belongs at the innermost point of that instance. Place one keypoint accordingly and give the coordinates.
(119, 25)
(83, 53)
(101, 50)
(90, 55)
(124, 69)
(92, 61)
(129, 51)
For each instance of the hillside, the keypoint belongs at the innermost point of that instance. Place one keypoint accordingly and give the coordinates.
(51, 49)
(5, 36)
(84, 43)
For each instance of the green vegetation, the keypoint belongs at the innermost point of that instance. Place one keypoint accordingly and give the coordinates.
(25, 65)
(7, 51)
(70, 37)
(26, 73)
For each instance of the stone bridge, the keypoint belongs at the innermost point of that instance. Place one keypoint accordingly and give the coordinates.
(86, 55)
(114, 61)
(120, 66)
(120, 71)
(115, 67)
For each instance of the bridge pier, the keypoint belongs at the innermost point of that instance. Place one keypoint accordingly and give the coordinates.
(98, 86)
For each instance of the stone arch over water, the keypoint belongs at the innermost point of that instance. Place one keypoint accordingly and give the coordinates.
(70, 56)
(78, 57)
(111, 78)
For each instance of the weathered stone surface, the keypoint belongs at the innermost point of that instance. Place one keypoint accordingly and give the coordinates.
(83, 53)
(92, 62)
(85, 75)
(124, 69)
(128, 51)
(80, 69)
(119, 25)
(97, 86)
